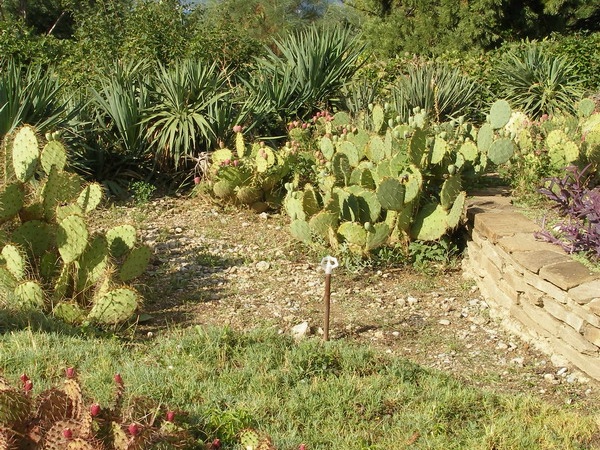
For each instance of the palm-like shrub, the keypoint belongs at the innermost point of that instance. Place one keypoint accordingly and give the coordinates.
(306, 70)
(180, 121)
(438, 90)
(30, 94)
(537, 82)
(118, 109)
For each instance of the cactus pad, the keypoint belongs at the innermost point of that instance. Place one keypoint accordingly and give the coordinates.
(351, 151)
(14, 261)
(90, 197)
(501, 151)
(450, 190)
(92, 264)
(224, 189)
(418, 147)
(586, 107)
(247, 195)
(71, 238)
(121, 239)
(68, 312)
(321, 223)
(430, 223)
(30, 295)
(240, 145)
(390, 194)
(375, 150)
(35, 236)
(500, 114)
(377, 235)
(25, 153)
(220, 156)
(136, 263)
(353, 233)
(469, 151)
(440, 148)
(53, 155)
(378, 118)
(294, 207)
(456, 212)
(14, 407)
(115, 306)
(327, 148)
(485, 137)
(11, 201)
(300, 230)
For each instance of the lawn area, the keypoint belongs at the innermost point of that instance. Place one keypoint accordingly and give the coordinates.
(335, 395)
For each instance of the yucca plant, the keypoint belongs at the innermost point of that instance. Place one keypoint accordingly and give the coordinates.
(537, 82)
(30, 94)
(180, 121)
(440, 91)
(306, 70)
(121, 104)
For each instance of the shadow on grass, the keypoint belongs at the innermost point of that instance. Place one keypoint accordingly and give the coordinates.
(12, 320)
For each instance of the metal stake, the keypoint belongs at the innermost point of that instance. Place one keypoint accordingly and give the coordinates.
(328, 264)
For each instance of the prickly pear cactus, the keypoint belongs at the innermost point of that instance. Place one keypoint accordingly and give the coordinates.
(49, 259)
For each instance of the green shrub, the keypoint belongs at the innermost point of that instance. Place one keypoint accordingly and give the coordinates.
(537, 82)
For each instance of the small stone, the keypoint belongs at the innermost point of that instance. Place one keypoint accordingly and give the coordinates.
(300, 331)
(501, 346)
(395, 333)
(262, 266)
(444, 322)
(263, 215)
(562, 371)
(550, 378)
(518, 361)
(412, 301)
(178, 230)
(571, 379)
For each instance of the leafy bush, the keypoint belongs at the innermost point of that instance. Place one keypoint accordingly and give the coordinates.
(307, 71)
(575, 199)
(537, 82)
(30, 94)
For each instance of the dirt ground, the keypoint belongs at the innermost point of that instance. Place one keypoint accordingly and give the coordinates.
(222, 266)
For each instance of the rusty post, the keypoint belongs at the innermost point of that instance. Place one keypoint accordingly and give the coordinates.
(328, 264)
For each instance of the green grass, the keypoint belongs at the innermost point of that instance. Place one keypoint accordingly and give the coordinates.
(332, 395)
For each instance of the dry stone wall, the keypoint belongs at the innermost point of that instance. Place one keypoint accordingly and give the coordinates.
(538, 290)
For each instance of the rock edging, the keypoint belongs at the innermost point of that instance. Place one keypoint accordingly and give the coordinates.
(539, 292)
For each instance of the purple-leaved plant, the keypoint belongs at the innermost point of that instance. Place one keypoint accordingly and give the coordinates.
(579, 204)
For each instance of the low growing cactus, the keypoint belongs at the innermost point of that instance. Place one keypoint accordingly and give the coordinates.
(49, 257)
(60, 418)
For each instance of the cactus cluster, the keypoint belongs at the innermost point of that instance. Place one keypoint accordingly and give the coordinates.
(49, 257)
(249, 175)
(397, 183)
(59, 418)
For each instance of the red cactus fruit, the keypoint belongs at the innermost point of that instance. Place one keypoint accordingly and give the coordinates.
(24, 378)
(302, 447)
(67, 433)
(216, 445)
(28, 386)
(170, 416)
(235, 163)
(197, 180)
(94, 409)
(134, 429)
(118, 379)
(70, 372)
(237, 128)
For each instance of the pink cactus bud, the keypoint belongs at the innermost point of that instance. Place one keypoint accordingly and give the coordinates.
(70, 372)
(24, 378)
(170, 416)
(302, 447)
(118, 379)
(216, 444)
(67, 433)
(94, 409)
(134, 429)
(227, 162)
(235, 163)
(304, 126)
(28, 386)
(197, 180)
(237, 128)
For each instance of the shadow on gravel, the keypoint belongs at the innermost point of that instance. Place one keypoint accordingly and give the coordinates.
(177, 279)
